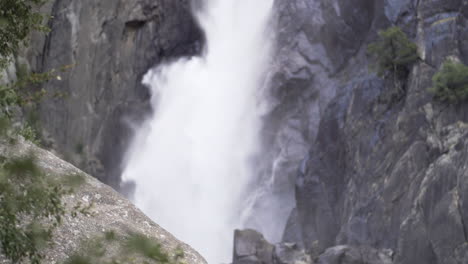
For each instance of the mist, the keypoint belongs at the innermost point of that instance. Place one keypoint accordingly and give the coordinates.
(192, 160)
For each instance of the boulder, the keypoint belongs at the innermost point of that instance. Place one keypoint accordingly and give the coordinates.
(110, 212)
(250, 247)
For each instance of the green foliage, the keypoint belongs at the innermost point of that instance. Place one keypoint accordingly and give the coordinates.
(17, 19)
(31, 205)
(450, 83)
(14, 94)
(31, 208)
(149, 248)
(394, 53)
(29, 133)
(8, 99)
(73, 181)
(132, 248)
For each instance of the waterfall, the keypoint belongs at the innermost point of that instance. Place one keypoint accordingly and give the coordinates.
(192, 160)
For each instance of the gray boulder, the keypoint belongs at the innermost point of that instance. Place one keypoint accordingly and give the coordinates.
(250, 247)
(109, 211)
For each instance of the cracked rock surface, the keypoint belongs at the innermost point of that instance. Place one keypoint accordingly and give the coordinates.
(109, 44)
(109, 211)
(366, 167)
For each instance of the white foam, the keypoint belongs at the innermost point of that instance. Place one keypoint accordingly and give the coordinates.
(191, 161)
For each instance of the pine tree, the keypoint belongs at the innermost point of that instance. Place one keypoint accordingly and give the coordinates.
(450, 83)
(394, 53)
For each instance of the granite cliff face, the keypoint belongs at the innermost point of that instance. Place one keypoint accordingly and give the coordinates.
(356, 171)
(110, 45)
(379, 175)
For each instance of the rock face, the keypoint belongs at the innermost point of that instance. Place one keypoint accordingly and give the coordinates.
(353, 255)
(109, 211)
(250, 247)
(110, 45)
(374, 169)
(358, 170)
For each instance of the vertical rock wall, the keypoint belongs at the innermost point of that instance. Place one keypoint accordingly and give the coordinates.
(110, 45)
(378, 173)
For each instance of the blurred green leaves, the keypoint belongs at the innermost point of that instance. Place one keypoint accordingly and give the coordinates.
(17, 19)
(113, 248)
(146, 247)
(31, 208)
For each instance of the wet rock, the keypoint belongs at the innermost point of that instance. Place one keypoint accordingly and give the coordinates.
(353, 255)
(250, 247)
(290, 253)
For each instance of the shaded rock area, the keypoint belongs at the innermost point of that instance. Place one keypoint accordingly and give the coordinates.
(354, 255)
(109, 211)
(250, 247)
(110, 45)
(374, 172)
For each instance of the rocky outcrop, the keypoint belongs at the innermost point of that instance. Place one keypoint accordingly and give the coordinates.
(373, 166)
(110, 212)
(354, 255)
(110, 45)
(250, 247)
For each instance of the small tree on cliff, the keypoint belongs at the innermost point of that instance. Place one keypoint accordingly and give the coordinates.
(450, 83)
(394, 53)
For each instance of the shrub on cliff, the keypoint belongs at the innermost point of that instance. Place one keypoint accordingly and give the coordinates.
(17, 19)
(30, 209)
(450, 83)
(112, 248)
(394, 53)
(31, 202)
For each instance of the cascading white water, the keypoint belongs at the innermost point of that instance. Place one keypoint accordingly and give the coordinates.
(191, 162)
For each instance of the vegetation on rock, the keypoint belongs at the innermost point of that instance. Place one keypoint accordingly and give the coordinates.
(29, 133)
(30, 208)
(394, 53)
(450, 83)
(31, 204)
(133, 248)
(17, 19)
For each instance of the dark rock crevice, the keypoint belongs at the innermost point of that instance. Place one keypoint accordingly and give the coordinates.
(135, 24)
